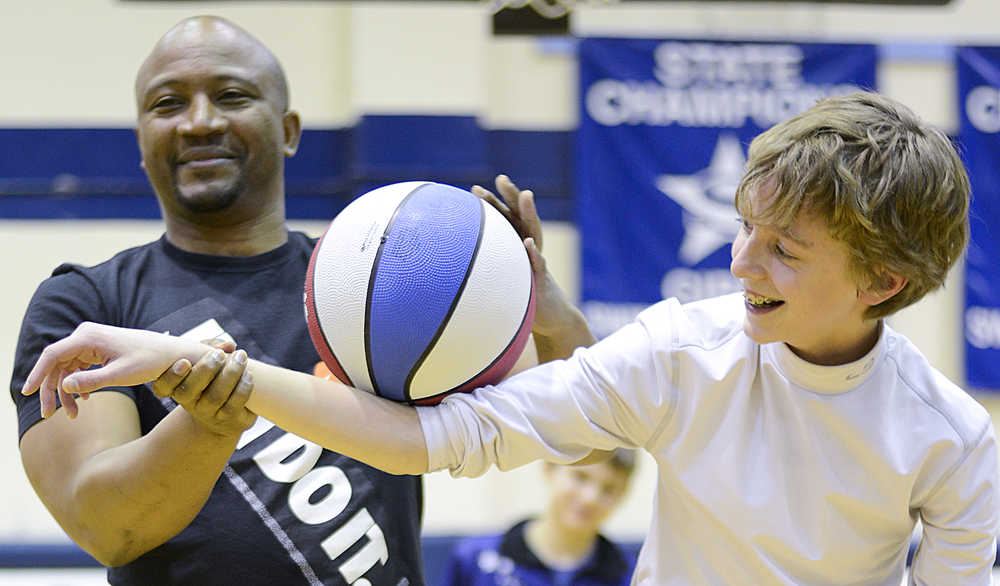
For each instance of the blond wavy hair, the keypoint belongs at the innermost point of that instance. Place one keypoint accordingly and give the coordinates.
(891, 187)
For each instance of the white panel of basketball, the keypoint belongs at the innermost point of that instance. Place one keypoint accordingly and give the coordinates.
(501, 271)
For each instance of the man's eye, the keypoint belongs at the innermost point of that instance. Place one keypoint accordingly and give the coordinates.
(230, 96)
(167, 103)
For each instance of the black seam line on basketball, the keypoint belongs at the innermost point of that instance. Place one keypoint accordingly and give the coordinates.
(500, 355)
(454, 302)
(371, 288)
(322, 332)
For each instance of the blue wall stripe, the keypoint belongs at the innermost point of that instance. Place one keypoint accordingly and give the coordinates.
(414, 146)
(27, 153)
(94, 173)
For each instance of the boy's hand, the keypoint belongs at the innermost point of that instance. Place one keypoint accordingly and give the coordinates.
(126, 357)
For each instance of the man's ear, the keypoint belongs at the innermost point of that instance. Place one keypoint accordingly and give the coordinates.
(292, 126)
(882, 288)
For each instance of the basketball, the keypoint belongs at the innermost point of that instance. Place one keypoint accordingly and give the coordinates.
(417, 290)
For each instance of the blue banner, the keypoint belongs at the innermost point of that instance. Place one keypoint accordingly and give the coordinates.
(661, 147)
(979, 99)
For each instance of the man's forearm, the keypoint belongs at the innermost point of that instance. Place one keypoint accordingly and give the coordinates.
(560, 345)
(131, 498)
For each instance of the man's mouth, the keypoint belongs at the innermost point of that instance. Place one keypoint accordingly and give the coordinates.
(203, 156)
(206, 162)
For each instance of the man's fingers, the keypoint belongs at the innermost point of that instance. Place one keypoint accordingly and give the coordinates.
(491, 198)
(243, 418)
(497, 204)
(523, 213)
(530, 222)
(167, 382)
(190, 388)
(235, 406)
(224, 385)
(509, 192)
(221, 406)
(535, 257)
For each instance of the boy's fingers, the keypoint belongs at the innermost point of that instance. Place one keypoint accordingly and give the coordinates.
(223, 344)
(47, 394)
(55, 354)
(69, 403)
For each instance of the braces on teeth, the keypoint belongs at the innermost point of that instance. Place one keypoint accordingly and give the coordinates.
(759, 299)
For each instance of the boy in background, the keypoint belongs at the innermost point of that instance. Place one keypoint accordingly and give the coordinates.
(563, 545)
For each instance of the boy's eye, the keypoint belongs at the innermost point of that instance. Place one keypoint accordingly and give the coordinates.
(779, 250)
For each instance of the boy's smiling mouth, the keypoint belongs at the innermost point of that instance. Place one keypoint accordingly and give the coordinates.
(761, 302)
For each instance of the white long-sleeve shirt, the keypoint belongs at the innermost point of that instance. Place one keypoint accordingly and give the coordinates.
(771, 470)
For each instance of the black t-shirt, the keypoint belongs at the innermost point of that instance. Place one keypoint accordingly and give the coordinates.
(284, 511)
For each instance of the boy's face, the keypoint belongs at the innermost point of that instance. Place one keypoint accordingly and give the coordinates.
(582, 497)
(798, 289)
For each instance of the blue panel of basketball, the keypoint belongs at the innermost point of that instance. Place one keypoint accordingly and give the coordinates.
(416, 280)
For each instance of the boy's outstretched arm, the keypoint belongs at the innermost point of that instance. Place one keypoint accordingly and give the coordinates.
(376, 431)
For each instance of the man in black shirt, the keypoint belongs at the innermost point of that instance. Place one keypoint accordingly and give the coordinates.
(167, 495)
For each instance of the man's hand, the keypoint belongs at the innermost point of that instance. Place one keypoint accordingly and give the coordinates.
(214, 391)
(559, 326)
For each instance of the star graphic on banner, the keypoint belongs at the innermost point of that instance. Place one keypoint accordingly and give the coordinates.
(707, 199)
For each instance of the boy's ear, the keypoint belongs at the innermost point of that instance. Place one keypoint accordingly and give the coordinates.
(882, 288)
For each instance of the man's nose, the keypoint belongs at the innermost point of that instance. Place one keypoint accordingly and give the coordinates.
(203, 118)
